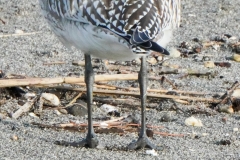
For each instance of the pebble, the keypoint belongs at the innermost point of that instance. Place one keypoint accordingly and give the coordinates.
(50, 99)
(206, 58)
(236, 57)
(235, 129)
(152, 152)
(174, 52)
(57, 112)
(209, 64)
(197, 49)
(236, 93)
(29, 95)
(166, 118)
(19, 31)
(226, 109)
(205, 134)
(224, 119)
(197, 58)
(33, 115)
(78, 110)
(236, 104)
(63, 111)
(192, 121)
(216, 47)
(14, 138)
(108, 108)
(152, 61)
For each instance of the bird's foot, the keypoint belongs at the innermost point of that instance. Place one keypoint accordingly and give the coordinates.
(88, 142)
(142, 142)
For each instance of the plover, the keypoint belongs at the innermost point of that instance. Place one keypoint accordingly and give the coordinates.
(117, 30)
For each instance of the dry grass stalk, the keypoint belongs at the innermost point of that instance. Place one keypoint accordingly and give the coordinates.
(110, 92)
(70, 80)
(18, 34)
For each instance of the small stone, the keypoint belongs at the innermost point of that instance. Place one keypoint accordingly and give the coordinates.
(33, 115)
(235, 129)
(216, 47)
(57, 112)
(109, 109)
(236, 104)
(233, 38)
(197, 49)
(174, 66)
(236, 57)
(103, 125)
(78, 110)
(226, 109)
(223, 64)
(165, 64)
(209, 64)
(205, 134)
(166, 118)
(15, 138)
(2, 116)
(184, 45)
(196, 40)
(78, 63)
(29, 95)
(160, 58)
(152, 61)
(192, 121)
(149, 133)
(224, 142)
(206, 58)
(224, 119)
(50, 99)
(19, 31)
(174, 53)
(197, 58)
(152, 152)
(63, 111)
(236, 93)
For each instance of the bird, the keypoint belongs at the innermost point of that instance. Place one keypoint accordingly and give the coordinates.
(120, 30)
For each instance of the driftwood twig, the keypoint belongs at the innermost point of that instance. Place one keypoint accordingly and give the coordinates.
(69, 80)
(110, 92)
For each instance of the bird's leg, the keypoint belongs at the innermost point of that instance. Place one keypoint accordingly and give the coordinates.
(90, 141)
(142, 141)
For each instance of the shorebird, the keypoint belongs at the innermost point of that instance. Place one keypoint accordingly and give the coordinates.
(117, 30)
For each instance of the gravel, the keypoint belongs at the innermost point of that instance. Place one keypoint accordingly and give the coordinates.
(26, 54)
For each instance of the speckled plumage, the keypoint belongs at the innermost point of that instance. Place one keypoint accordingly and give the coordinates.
(129, 26)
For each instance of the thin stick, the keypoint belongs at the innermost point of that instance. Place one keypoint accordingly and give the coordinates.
(18, 34)
(109, 92)
(229, 92)
(70, 80)
(53, 63)
(74, 100)
(23, 109)
(168, 134)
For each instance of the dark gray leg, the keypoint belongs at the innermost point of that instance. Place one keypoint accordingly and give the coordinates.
(142, 141)
(91, 140)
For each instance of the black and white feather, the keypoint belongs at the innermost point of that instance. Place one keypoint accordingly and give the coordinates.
(113, 29)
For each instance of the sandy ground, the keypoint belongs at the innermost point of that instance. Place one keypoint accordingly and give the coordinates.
(25, 55)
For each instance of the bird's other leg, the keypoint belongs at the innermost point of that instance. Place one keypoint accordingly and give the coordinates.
(90, 141)
(142, 141)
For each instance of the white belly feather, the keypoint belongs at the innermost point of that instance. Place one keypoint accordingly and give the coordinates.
(94, 40)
